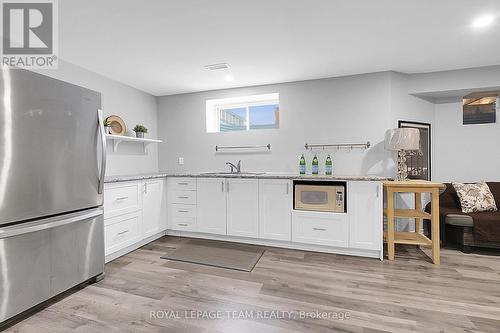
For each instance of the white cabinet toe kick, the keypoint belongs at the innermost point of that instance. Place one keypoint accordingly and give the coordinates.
(261, 211)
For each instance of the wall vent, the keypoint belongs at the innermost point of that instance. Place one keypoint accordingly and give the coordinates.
(214, 67)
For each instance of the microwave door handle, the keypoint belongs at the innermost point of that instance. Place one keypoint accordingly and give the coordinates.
(103, 152)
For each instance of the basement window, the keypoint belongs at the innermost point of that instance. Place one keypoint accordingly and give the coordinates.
(244, 113)
(480, 108)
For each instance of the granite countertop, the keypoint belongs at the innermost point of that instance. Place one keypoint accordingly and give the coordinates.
(140, 176)
(267, 175)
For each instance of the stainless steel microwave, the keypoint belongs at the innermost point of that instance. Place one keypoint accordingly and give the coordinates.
(321, 197)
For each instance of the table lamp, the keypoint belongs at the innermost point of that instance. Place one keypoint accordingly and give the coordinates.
(402, 139)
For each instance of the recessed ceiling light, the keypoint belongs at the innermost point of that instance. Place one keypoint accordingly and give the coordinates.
(483, 21)
(229, 78)
(214, 67)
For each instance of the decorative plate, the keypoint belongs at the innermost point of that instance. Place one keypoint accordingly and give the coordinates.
(117, 125)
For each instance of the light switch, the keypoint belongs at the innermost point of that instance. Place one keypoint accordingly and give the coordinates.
(181, 160)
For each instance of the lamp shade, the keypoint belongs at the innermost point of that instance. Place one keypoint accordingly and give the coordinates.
(402, 138)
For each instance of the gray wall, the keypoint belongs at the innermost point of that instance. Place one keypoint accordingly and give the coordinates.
(465, 152)
(132, 105)
(337, 110)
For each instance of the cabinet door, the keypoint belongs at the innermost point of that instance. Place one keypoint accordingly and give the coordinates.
(275, 209)
(211, 205)
(153, 207)
(243, 207)
(364, 206)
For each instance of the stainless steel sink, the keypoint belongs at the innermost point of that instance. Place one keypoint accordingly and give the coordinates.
(225, 173)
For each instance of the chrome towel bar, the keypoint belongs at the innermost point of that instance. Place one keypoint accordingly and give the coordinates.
(219, 148)
(339, 145)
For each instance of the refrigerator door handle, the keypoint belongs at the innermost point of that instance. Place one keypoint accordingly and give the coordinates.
(48, 223)
(103, 147)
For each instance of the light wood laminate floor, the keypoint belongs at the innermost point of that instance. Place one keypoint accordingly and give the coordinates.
(409, 294)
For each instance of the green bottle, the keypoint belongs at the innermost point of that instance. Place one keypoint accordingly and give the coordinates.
(315, 165)
(328, 166)
(302, 165)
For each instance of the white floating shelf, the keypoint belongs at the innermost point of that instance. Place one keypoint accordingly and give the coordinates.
(117, 139)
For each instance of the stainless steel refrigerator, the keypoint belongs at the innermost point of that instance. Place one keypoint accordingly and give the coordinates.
(52, 164)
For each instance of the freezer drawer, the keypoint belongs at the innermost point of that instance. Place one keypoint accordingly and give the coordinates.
(41, 259)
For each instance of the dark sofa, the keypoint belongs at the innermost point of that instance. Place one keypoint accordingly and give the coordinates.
(481, 229)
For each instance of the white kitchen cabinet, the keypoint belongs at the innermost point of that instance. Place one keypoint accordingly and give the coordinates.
(122, 231)
(330, 229)
(275, 209)
(181, 204)
(122, 198)
(261, 210)
(364, 205)
(154, 218)
(134, 213)
(211, 205)
(242, 207)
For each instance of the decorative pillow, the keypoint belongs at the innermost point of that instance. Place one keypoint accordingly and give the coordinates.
(475, 197)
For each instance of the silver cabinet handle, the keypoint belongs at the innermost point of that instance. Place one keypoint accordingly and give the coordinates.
(182, 224)
(183, 211)
(222, 182)
(100, 123)
(122, 232)
(227, 187)
(121, 198)
(319, 229)
(146, 188)
(182, 183)
(287, 188)
(182, 197)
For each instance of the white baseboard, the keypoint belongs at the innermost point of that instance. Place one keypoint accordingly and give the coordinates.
(283, 244)
(124, 251)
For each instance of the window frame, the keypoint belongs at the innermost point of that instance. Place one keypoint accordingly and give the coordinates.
(246, 106)
(214, 108)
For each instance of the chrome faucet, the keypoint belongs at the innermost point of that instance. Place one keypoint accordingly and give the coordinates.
(233, 167)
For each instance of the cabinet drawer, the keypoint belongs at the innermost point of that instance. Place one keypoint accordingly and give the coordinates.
(183, 197)
(320, 228)
(121, 232)
(121, 199)
(182, 210)
(183, 223)
(180, 183)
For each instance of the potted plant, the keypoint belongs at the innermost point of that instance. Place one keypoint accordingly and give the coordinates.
(139, 131)
(107, 125)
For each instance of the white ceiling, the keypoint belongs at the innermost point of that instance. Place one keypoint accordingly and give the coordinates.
(162, 46)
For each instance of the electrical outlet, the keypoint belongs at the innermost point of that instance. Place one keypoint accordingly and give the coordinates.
(181, 160)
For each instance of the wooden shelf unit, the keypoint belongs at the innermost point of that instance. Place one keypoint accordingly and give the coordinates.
(413, 238)
(409, 213)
